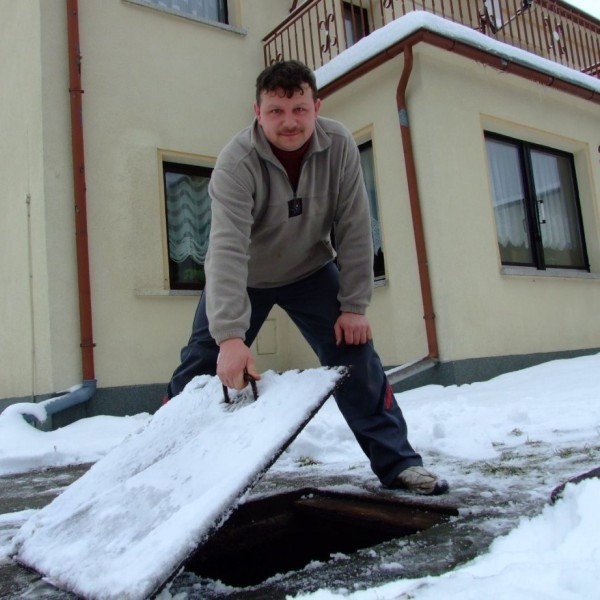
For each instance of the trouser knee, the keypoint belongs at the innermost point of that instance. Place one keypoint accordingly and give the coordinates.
(196, 359)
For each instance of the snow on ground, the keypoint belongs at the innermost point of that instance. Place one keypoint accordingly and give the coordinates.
(23, 448)
(546, 415)
(555, 555)
(124, 527)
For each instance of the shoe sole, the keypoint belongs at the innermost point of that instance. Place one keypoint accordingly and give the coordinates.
(441, 487)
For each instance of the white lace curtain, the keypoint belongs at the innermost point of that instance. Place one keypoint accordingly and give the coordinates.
(188, 217)
(367, 165)
(509, 197)
(554, 195)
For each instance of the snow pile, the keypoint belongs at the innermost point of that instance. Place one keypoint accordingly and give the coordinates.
(557, 403)
(549, 413)
(554, 556)
(23, 448)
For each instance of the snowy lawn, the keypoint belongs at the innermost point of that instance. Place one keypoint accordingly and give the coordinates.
(503, 445)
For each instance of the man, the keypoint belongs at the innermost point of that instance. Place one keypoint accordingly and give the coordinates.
(277, 190)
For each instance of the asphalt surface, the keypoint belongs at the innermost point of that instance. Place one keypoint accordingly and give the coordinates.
(430, 552)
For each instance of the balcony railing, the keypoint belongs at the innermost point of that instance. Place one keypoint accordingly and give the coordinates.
(319, 30)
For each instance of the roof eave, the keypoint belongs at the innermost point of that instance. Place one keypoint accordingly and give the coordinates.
(494, 60)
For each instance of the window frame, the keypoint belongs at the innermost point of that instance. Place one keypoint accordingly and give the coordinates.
(224, 23)
(170, 165)
(531, 205)
(373, 204)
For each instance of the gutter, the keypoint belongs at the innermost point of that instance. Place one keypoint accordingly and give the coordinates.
(415, 207)
(71, 397)
(83, 392)
(79, 190)
(408, 370)
(38, 412)
(402, 372)
(466, 50)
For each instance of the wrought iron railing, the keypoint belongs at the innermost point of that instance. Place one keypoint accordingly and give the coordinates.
(318, 30)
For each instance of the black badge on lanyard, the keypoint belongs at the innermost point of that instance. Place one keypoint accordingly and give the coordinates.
(294, 207)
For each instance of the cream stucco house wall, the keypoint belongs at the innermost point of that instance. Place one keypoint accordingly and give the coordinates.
(159, 87)
(155, 85)
(482, 309)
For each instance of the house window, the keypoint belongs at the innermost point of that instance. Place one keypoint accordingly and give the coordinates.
(187, 206)
(208, 10)
(356, 23)
(536, 205)
(368, 169)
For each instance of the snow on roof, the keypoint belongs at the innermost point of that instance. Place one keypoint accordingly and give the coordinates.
(384, 38)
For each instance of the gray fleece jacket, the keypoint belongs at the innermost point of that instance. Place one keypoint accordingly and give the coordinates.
(259, 239)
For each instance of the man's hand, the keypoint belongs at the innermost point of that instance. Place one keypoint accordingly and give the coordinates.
(235, 359)
(353, 329)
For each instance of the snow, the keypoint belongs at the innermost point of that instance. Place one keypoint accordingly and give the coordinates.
(387, 36)
(22, 447)
(167, 486)
(556, 405)
(553, 554)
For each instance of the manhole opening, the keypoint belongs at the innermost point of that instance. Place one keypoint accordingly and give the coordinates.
(285, 532)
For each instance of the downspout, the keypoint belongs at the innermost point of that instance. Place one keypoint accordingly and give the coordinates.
(88, 387)
(83, 392)
(79, 190)
(415, 207)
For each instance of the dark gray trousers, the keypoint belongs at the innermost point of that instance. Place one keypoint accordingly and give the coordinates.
(365, 399)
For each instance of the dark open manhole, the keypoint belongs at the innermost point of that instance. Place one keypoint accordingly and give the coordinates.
(285, 532)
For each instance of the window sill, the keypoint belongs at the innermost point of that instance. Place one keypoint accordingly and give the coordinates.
(216, 24)
(152, 293)
(561, 273)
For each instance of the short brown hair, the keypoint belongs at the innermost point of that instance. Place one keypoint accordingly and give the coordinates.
(287, 75)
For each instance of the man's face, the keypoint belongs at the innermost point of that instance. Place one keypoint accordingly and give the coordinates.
(287, 122)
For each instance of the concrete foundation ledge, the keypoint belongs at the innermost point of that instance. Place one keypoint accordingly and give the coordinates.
(134, 399)
(471, 370)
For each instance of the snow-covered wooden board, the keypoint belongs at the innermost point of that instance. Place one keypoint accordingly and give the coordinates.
(125, 528)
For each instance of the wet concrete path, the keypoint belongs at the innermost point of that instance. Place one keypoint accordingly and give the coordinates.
(482, 517)
(491, 497)
(19, 495)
